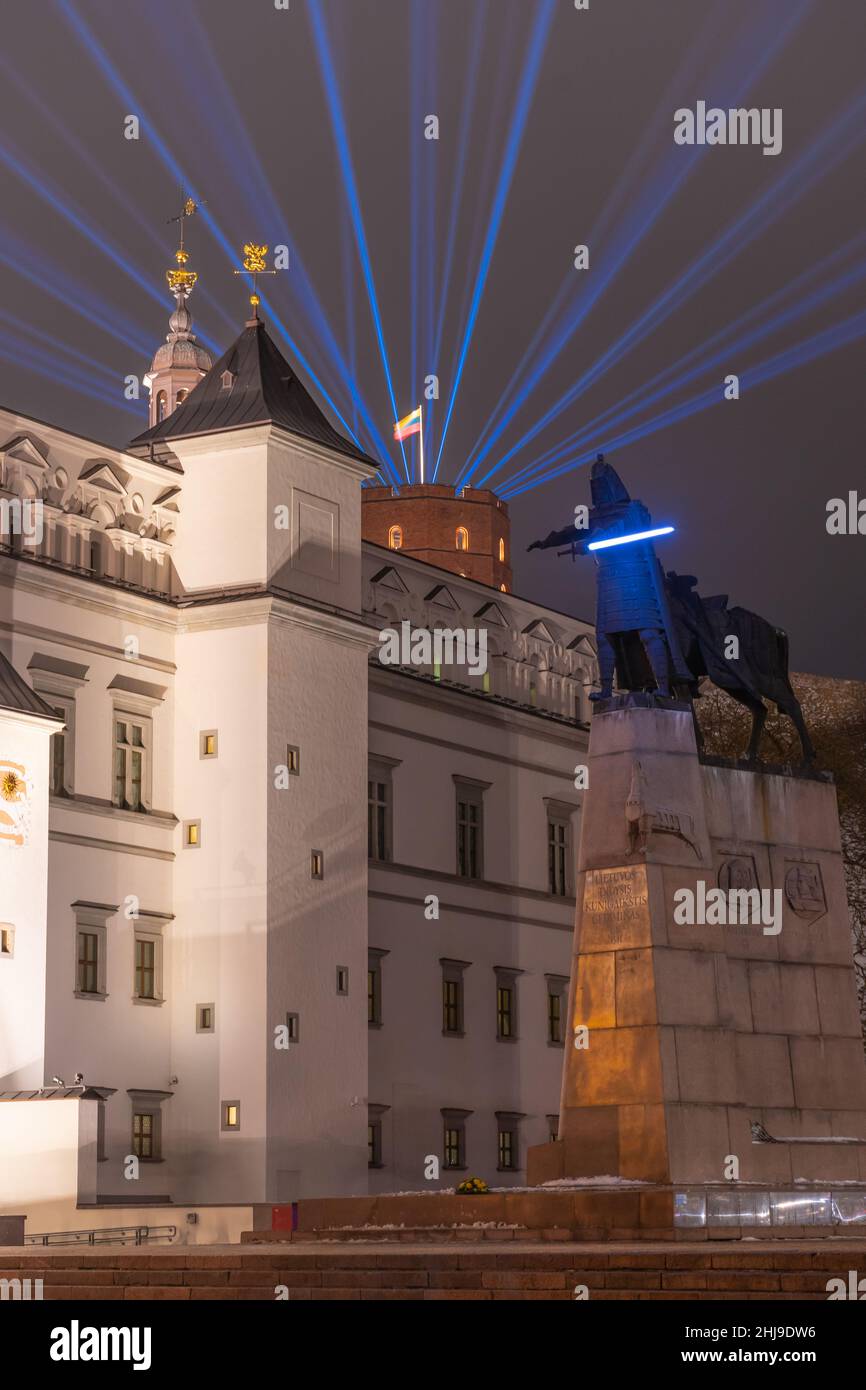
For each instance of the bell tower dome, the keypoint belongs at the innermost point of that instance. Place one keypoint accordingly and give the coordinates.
(179, 364)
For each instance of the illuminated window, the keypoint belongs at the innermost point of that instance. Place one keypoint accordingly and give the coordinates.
(502, 589)
(161, 403)
(462, 538)
(454, 1137)
(506, 1003)
(208, 743)
(144, 1135)
(506, 1149)
(181, 396)
(192, 834)
(501, 549)
(317, 863)
(7, 941)
(395, 537)
(231, 1115)
(452, 996)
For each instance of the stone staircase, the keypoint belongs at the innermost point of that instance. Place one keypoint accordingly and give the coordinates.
(495, 1267)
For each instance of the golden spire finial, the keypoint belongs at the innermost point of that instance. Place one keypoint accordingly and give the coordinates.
(181, 282)
(255, 264)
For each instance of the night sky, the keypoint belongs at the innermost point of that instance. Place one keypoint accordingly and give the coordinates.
(230, 96)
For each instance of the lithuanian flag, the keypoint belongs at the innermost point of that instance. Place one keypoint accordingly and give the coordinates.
(410, 424)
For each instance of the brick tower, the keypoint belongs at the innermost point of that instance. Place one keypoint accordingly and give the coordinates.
(467, 532)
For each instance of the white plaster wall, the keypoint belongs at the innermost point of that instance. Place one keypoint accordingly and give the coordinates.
(219, 934)
(317, 1115)
(222, 537)
(39, 1160)
(23, 875)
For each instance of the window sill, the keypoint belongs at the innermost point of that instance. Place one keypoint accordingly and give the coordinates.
(100, 996)
(455, 1168)
(551, 1043)
(149, 1161)
(373, 1023)
(150, 1003)
(453, 1033)
(375, 1165)
(512, 1039)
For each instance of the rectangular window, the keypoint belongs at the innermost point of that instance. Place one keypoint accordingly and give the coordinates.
(558, 845)
(317, 864)
(204, 1018)
(192, 834)
(506, 1002)
(377, 819)
(506, 1148)
(342, 979)
(145, 968)
(553, 1128)
(504, 1011)
(230, 1112)
(293, 1026)
(293, 760)
(7, 941)
(88, 962)
(453, 1148)
(468, 838)
(554, 1017)
(144, 1134)
(58, 757)
(130, 762)
(374, 987)
(451, 1005)
(372, 1146)
(208, 743)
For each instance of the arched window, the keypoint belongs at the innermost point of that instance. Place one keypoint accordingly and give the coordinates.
(502, 589)
(395, 537)
(502, 549)
(182, 395)
(462, 538)
(160, 406)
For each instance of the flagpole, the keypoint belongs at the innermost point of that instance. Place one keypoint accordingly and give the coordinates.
(421, 412)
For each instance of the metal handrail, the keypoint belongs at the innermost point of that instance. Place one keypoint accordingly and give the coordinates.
(104, 1235)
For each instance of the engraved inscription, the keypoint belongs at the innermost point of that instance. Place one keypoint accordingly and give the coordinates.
(615, 908)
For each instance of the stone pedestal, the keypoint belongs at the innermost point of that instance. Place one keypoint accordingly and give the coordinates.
(686, 1035)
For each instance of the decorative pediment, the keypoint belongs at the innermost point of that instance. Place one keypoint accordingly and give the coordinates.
(100, 473)
(443, 598)
(582, 644)
(388, 578)
(22, 449)
(168, 499)
(539, 630)
(492, 613)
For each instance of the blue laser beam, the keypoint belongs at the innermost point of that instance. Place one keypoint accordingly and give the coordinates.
(643, 216)
(643, 396)
(341, 139)
(824, 154)
(829, 340)
(526, 90)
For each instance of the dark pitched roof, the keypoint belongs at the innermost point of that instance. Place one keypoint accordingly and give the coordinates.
(16, 694)
(262, 389)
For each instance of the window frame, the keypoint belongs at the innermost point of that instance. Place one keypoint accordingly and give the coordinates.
(452, 976)
(506, 982)
(454, 1122)
(91, 919)
(469, 793)
(557, 988)
(126, 714)
(147, 929)
(375, 956)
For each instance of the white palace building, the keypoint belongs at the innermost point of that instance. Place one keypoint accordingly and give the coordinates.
(276, 920)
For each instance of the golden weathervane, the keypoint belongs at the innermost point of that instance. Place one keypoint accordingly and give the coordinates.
(255, 264)
(181, 281)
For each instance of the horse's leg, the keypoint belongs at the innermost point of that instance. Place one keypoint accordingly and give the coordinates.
(758, 711)
(790, 705)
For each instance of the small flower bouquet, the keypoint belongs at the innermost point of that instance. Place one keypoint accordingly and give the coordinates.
(472, 1187)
